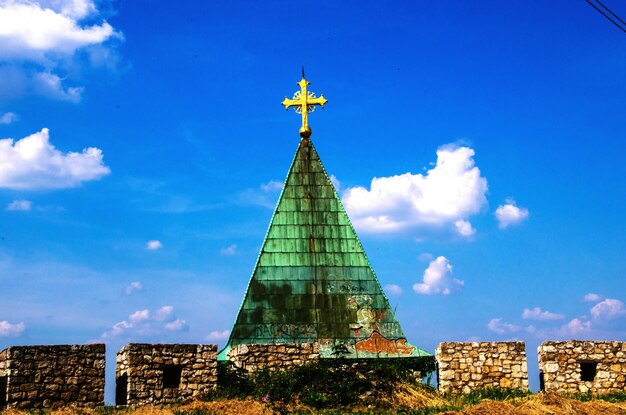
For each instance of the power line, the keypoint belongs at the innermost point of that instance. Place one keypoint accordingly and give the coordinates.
(608, 17)
(609, 10)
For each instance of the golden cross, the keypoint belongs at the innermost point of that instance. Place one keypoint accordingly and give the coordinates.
(304, 102)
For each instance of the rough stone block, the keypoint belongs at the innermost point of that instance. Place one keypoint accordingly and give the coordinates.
(478, 365)
(253, 357)
(164, 373)
(53, 376)
(582, 366)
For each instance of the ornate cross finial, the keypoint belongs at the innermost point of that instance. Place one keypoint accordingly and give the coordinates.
(304, 102)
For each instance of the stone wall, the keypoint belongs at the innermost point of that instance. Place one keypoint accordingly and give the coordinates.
(582, 366)
(3, 378)
(33, 377)
(164, 373)
(274, 356)
(52, 376)
(463, 367)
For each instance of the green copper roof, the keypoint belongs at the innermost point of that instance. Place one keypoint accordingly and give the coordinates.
(313, 281)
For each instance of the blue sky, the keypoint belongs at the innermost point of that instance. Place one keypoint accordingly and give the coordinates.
(478, 149)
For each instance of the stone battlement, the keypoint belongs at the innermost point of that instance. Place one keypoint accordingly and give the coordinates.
(164, 373)
(582, 366)
(52, 376)
(467, 366)
(34, 377)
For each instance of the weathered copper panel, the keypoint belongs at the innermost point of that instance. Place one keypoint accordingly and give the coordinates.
(313, 281)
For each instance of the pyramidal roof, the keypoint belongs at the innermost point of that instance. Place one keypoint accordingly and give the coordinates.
(312, 281)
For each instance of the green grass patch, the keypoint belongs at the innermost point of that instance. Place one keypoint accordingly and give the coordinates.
(612, 397)
(110, 410)
(494, 394)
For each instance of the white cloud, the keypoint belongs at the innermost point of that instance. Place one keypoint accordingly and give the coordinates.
(8, 118)
(139, 316)
(592, 298)
(438, 278)
(230, 250)
(535, 313)
(602, 313)
(50, 85)
(146, 324)
(164, 313)
(336, 183)
(20, 204)
(498, 326)
(118, 329)
(426, 257)
(39, 37)
(464, 228)
(393, 289)
(74, 8)
(218, 335)
(132, 287)
(177, 325)
(272, 186)
(451, 191)
(265, 195)
(153, 245)
(33, 163)
(11, 330)
(40, 31)
(608, 309)
(575, 327)
(532, 329)
(509, 214)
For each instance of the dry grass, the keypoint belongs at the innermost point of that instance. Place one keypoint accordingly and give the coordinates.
(543, 404)
(227, 407)
(221, 407)
(406, 400)
(407, 396)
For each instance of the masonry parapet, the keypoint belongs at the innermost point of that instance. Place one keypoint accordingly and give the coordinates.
(37, 377)
(164, 373)
(253, 357)
(582, 366)
(467, 366)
